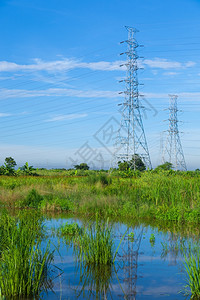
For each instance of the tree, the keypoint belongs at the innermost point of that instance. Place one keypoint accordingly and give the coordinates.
(165, 167)
(82, 166)
(28, 170)
(10, 164)
(123, 166)
(138, 163)
(135, 163)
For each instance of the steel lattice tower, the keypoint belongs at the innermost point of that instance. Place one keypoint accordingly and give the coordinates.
(131, 140)
(173, 151)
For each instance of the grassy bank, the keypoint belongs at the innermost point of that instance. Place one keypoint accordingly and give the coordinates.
(173, 196)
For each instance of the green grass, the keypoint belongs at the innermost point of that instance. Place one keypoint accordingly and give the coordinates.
(164, 196)
(93, 249)
(25, 267)
(95, 245)
(192, 269)
(70, 232)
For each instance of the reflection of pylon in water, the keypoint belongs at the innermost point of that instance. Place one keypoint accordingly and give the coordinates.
(128, 263)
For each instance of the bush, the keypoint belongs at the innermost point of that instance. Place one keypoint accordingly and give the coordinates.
(33, 199)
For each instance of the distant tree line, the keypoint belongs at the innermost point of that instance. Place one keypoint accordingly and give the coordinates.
(135, 164)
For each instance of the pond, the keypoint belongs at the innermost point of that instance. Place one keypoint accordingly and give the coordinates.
(148, 264)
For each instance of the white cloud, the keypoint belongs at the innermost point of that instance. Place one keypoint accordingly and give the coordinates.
(67, 64)
(60, 65)
(190, 64)
(162, 63)
(170, 73)
(66, 117)
(190, 96)
(103, 65)
(5, 115)
(56, 92)
(63, 92)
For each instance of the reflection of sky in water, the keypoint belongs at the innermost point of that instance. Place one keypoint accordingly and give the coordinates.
(158, 272)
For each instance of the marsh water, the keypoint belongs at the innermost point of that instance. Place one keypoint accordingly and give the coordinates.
(148, 265)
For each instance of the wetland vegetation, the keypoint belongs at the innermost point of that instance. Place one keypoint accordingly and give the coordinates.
(161, 197)
(25, 266)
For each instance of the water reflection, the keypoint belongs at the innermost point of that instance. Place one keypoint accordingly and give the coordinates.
(127, 262)
(145, 268)
(95, 282)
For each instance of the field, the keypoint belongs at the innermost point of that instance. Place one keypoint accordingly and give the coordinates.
(149, 195)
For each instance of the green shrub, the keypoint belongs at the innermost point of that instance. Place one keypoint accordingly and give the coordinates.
(105, 179)
(70, 232)
(33, 200)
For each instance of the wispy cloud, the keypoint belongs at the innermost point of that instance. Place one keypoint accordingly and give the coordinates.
(162, 63)
(63, 92)
(184, 96)
(67, 64)
(56, 92)
(66, 117)
(64, 64)
(170, 73)
(5, 115)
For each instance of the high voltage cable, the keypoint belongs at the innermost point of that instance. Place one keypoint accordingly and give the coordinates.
(53, 98)
(60, 125)
(44, 122)
(66, 80)
(173, 50)
(78, 57)
(61, 107)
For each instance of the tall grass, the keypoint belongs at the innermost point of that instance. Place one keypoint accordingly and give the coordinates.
(93, 248)
(25, 267)
(192, 268)
(170, 196)
(95, 245)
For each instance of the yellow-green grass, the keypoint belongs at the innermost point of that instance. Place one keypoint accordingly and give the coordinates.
(169, 196)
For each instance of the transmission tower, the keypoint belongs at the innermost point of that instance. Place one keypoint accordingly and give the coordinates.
(131, 141)
(173, 151)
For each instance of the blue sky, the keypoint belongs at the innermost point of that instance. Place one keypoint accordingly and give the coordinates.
(59, 77)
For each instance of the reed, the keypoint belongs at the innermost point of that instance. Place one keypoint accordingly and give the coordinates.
(95, 245)
(192, 268)
(25, 267)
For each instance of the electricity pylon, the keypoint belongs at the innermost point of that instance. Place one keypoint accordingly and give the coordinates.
(173, 151)
(131, 140)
